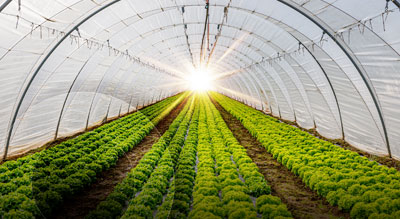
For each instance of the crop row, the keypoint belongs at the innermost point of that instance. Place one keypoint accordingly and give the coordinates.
(206, 202)
(267, 205)
(138, 176)
(37, 184)
(227, 180)
(177, 202)
(352, 182)
(145, 201)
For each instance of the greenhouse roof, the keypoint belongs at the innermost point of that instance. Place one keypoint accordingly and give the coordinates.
(333, 65)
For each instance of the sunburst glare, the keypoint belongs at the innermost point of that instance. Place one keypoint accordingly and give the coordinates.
(200, 80)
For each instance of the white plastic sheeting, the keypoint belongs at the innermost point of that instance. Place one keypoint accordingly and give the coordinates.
(71, 64)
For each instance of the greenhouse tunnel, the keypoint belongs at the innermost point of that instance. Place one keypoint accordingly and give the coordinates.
(70, 65)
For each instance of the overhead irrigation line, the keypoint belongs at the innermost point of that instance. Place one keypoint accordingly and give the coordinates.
(182, 11)
(219, 27)
(278, 57)
(90, 43)
(339, 34)
(206, 24)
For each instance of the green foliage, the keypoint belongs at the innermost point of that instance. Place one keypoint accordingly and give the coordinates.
(111, 206)
(18, 214)
(235, 196)
(99, 214)
(6, 188)
(118, 197)
(346, 179)
(267, 199)
(333, 197)
(273, 211)
(362, 210)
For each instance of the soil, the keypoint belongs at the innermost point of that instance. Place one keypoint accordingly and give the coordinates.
(301, 201)
(81, 204)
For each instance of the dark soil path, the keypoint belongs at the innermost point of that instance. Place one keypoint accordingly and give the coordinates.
(81, 204)
(300, 200)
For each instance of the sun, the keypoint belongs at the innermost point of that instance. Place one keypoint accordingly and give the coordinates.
(200, 80)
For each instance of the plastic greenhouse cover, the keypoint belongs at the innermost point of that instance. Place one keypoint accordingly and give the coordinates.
(63, 63)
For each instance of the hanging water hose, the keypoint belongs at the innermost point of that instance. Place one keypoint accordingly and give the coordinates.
(224, 19)
(204, 32)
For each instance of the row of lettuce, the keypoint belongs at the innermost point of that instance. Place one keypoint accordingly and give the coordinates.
(201, 171)
(178, 199)
(35, 185)
(228, 183)
(347, 180)
(145, 185)
(159, 183)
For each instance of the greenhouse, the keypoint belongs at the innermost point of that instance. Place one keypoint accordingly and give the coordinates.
(199, 109)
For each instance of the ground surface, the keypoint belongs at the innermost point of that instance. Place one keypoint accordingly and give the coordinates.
(81, 204)
(300, 200)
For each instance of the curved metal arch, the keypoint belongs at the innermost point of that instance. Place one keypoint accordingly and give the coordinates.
(50, 18)
(73, 83)
(375, 101)
(280, 85)
(343, 46)
(282, 1)
(334, 93)
(15, 114)
(310, 111)
(130, 70)
(233, 95)
(350, 55)
(242, 90)
(51, 74)
(62, 62)
(316, 86)
(66, 98)
(243, 81)
(247, 80)
(117, 85)
(96, 92)
(327, 77)
(371, 95)
(275, 46)
(5, 4)
(129, 94)
(162, 28)
(256, 51)
(265, 79)
(262, 90)
(233, 86)
(38, 69)
(365, 26)
(303, 95)
(280, 23)
(284, 90)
